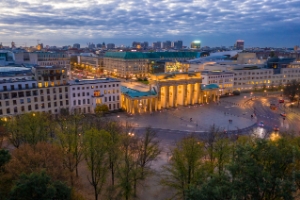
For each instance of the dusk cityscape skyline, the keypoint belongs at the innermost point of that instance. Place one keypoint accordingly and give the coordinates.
(219, 23)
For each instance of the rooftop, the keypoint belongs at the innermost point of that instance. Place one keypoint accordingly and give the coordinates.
(14, 69)
(209, 87)
(149, 55)
(92, 81)
(135, 93)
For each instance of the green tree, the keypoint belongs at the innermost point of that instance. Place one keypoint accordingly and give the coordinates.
(69, 134)
(215, 188)
(37, 186)
(148, 150)
(291, 90)
(4, 158)
(185, 168)
(29, 128)
(264, 171)
(101, 109)
(13, 131)
(128, 172)
(96, 156)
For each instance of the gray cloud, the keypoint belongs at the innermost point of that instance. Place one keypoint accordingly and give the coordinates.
(54, 20)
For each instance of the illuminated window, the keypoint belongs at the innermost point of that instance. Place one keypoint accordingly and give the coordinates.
(52, 84)
(46, 84)
(40, 85)
(97, 93)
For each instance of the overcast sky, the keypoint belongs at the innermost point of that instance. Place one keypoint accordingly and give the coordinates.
(214, 22)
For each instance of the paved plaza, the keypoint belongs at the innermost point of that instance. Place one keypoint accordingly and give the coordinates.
(229, 114)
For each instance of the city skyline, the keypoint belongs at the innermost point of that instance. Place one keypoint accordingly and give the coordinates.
(219, 23)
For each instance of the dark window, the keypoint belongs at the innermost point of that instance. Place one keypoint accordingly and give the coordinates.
(12, 87)
(26, 86)
(22, 108)
(34, 92)
(14, 102)
(74, 102)
(109, 98)
(67, 102)
(83, 101)
(8, 111)
(49, 105)
(88, 101)
(61, 103)
(28, 93)
(105, 99)
(36, 106)
(66, 89)
(21, 94)
(33, 85)
(29, 107)
(5, 88)
(7, 103)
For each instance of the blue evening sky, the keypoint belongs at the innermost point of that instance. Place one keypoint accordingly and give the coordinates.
(215, 22)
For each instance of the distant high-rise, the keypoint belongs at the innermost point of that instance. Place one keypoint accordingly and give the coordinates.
(196, 44)
(110, 45)
(144, 44)
(13, 44)
(178, 44)
(136, 44)
(156, 45)
(99, 45)
(167, 45)
(239, 44)
(91, 45)
(1, 46)
(76, 45)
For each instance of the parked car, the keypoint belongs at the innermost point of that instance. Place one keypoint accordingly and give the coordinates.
(281, 100)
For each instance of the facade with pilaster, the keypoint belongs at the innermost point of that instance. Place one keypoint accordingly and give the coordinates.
(169, 91)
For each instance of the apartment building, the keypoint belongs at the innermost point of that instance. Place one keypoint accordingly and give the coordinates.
(85, 94)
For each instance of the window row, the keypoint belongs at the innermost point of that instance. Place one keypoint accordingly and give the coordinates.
(97, 86)
(36, 107)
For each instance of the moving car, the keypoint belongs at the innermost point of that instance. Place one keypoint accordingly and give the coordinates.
(283, 114)
(281, 100)
(276, 128)
(261, 124)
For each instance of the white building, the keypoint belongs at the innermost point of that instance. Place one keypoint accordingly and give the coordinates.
(85, 94)
(223, 79)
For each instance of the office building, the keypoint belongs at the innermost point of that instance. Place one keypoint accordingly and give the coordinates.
(239, 44)
(178, 44)
(138, 64)
(156, 45)
(111, 46)
(86, 94)
(76, 45)
(166, 45)
(6, 58)
(44, 89)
